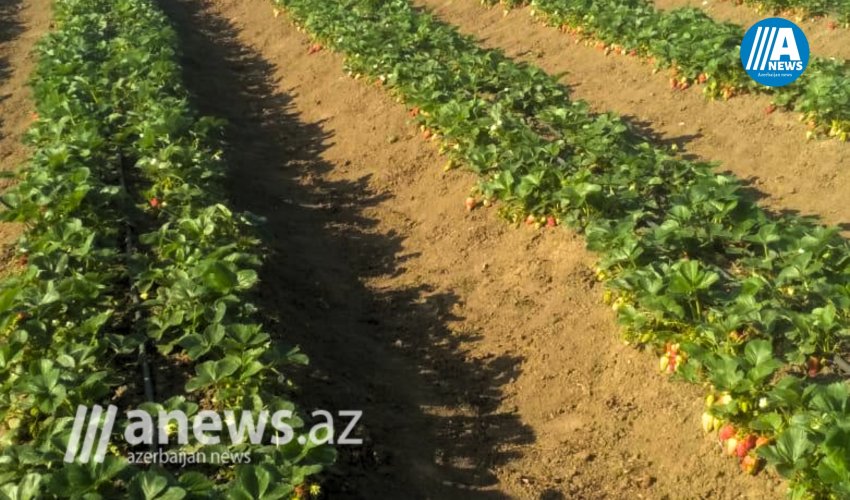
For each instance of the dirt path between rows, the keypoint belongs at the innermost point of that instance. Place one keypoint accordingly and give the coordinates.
(769, 151)
(21, 25)
(824, 40)
(481, 354)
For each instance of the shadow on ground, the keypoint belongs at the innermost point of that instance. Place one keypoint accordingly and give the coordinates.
(431, 421)
(10, 28)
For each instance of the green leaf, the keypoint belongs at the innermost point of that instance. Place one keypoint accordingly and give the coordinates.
(219, 277)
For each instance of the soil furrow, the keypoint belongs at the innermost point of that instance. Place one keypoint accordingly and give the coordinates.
(22, 23)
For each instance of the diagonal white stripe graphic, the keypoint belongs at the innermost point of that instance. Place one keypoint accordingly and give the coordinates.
(753, 50)
(761, 50)
(770, 42)
(105, 433)
(91, 432)
(76, 430)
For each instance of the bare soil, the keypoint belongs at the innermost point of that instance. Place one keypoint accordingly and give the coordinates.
(21, 25)
(481, 353)
(824, 39)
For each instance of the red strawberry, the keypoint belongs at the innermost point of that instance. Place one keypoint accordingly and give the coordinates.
(762, 441)
(551, 222)
(770, 109)
(745, 445)
(414, 112)
(633, 53)
(427, 134)
(531, 219)
(684, 85)
(154, 202)
(702, 78)
(314, 48)
(813, 366)
(674, 84)
(672, 364)
(471, 203)
(726, 432)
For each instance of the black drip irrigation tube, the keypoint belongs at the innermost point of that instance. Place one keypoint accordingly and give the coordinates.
(130, 250)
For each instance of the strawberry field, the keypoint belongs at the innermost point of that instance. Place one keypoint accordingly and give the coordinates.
(139, 278)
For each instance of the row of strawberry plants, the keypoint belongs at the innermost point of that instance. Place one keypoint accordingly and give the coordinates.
(700, 50)
(751, 304)
(127, 245)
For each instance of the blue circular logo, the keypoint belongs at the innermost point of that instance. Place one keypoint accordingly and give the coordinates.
(775, 52)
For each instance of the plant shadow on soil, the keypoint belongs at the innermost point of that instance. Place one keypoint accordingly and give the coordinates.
(388, 352)
(10, 28)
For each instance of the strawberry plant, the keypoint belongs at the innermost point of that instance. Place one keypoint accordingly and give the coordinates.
(730, 296)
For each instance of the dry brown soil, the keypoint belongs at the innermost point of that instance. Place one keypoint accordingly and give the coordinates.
(481, 353)
(21, 25)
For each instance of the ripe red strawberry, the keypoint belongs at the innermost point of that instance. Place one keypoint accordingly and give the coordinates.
(316, 47)
(770, 109)
(531, 219)
(601, 45)
(684, 85)
(414, 112)
(674, 84)
(154, 202)
(633, 53)
(745, 445)
(813, 366)
(551, 222)
(672, 364)
(471, 203)
(726, 432)
(427, 134)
